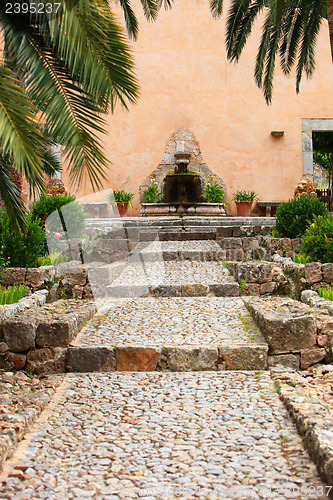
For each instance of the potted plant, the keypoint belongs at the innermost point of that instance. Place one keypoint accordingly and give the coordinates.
(122, 199)
(244, 201)
(213, 192)
(153, 193)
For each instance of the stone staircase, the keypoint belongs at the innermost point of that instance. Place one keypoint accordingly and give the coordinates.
(173, 307)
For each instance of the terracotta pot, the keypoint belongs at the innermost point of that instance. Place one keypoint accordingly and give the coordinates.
(244, 208)
(122, 209)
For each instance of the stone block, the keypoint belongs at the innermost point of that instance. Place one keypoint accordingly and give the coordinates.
(288, 360)
(251, 289)
(312, 356)
(73, 273)
(325, 325)
(188, 358)
(235, 254)
(225, 290)
(223, 232)
(14, 275)
(20, 333)
(90, 359)
(46, 361)
(137, 359)
(268, 287)
(313, 272)
(52, 332)
(327, 270)
(6, 364)
(231, 243)
(18, 359)
(236, 231)
(286, 244)
(254, 272)
(250, 243)
(194, 290)
(296, 243)
(287, 325)
(243, 356)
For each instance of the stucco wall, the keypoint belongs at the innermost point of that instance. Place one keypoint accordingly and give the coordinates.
(186, 82)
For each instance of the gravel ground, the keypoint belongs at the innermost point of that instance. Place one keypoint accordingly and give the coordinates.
(178, 246)
(176, 321)
(155, 436)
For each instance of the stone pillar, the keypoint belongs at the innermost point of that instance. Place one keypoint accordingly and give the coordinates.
(307, 149)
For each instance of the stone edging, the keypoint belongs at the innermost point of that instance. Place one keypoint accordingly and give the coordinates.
(314, 422)
(36, 299)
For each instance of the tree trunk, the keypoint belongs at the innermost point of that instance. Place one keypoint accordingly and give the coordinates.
(330, 22)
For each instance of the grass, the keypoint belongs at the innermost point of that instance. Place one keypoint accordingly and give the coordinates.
(326, 293)
(300, 258)
(11, 294)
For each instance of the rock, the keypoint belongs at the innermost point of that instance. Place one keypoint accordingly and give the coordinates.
(288, 360)
(18, 360)
(311, 356)
(243, 357)
(3, 347)
(268, 287)
(287, 325)
(306, 295)
(188, 358)
(5, 364)
(254, 272)
(138, 359)
(20, 333)
(46, 361)
(305, 186)
(90, 359)
(313, 272)
(14, 275)
(327, 270)
(251, 289)
(325, 325)
(322, 340)
(51, 332)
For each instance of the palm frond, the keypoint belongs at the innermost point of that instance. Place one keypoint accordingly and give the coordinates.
(20, 138)
(216, 7)
(10, 195)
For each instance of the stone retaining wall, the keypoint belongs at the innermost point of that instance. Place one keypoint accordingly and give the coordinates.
(37, 340)
(298, 335)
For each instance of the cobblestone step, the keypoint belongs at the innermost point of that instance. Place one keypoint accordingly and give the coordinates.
(170, 278)
(170, 334)
(163, 435)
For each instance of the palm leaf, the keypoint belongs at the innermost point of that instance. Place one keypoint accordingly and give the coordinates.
(10, 195)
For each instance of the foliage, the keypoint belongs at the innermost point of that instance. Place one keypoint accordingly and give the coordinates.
(153, 193)
(295, 215)
(54, 259)
(48, 205)
(326, 292)
(21, 248)
(290, 31)
(318, 239)
(120, 197)
(244, 196)
(214, 192)
(300, 258)
(11, 294)
(243, 286)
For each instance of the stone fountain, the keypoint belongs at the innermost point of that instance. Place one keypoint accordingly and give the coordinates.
(181, 177)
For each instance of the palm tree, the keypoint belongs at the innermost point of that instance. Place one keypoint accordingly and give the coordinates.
(289, 31)
(59, 77)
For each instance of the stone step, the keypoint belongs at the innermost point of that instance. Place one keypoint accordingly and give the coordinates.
(172, 278)
(169, 334)
(179, 250)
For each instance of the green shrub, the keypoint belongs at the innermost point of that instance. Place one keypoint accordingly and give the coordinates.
(326, 293)
(152, 194)
(120, 197)
(21, 249)
(11, 294)
(71, 218)
(295, 215)
(214, 192)
(318, 240)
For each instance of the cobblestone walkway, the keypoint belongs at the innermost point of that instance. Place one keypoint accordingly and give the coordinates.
(222, 435)
(172, 320)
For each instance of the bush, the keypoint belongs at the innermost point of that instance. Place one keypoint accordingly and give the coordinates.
(21, 249)
(74, 215)
(294, 216)
(326, 293)
(318, 240)
(12, 294)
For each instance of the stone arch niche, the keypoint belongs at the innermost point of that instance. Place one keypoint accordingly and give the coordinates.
(181, 177)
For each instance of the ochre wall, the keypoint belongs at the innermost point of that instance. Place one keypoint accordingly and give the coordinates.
(187, 82)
